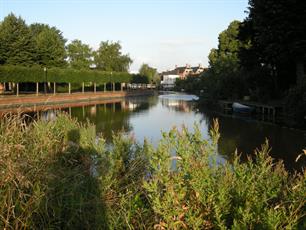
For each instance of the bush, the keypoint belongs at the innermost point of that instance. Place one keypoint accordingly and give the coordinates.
(45, 174)
(214, 86)
(190, 84)
(202, 193)
(58, 175)
(295, 104)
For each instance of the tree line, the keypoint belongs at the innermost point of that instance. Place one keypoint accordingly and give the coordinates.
(40, 45)
(43, 45)
(262, 57)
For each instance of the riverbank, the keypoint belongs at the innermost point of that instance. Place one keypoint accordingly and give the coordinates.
(58, 174)
(266, 112)
(25, 101)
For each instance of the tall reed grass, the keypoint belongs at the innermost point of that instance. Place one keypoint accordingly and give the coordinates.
(59, 175)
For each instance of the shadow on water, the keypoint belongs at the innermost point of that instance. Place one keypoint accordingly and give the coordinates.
(74, 195)
(246, 134)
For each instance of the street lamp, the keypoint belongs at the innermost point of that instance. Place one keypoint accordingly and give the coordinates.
(45, 71)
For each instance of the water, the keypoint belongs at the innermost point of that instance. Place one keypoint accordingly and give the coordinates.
(147, 117)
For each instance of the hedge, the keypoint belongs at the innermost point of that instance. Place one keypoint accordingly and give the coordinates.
(21, 74)
(37, 74)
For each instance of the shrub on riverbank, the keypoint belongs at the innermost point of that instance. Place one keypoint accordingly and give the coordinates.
(57, 174)
(295, 104)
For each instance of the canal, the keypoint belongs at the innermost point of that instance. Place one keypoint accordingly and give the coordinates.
(147, 117)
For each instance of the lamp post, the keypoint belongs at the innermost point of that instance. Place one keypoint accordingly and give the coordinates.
(45, 71)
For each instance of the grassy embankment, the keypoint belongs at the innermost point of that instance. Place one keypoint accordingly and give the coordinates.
(58, 175)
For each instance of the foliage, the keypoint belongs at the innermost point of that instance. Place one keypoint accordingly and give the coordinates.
(224, 78)
(264, 56)
(275, 30)
(37, 44)
(227, 53)
(40, 44)
(37, 74)
(190, 188)
(16, 43)
(149, 72)
(79, 55)
(191, 84)
(137, 78)
(21, 74)
(49, 44)
(260, 85)
(59, 175)
(46, 180)
(122, 182)
(109, 57)
(295, 104)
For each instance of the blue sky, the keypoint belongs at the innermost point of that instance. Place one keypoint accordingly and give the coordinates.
(162, 33)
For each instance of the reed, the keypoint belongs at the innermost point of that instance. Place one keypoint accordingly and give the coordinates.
(58, 174)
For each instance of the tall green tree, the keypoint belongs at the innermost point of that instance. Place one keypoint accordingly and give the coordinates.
(276, 29)
(110, 58)
(149, 72)
(16, 44)
(226, 55)
(79, 54)
(225, 78)
(49, 44)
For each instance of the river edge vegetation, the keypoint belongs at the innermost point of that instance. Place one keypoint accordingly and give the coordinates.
(262, 57)
(58, 175)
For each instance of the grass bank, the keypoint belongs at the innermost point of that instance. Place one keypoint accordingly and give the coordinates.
(59, 175)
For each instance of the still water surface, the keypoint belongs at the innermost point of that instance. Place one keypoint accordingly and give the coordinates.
(146, 117)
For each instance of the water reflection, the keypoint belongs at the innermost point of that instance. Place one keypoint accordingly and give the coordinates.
(178, 97)
(148, 116)
(111, 118)
(245, 135)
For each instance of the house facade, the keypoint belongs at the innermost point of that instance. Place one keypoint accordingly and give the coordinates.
(169, 77)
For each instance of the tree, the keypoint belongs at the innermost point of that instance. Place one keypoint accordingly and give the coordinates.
(228, 47)
(16, 45)
(225, 78)
(276, 30)
(49, 44)
(149, 72)
(109, 57)
(79, 54)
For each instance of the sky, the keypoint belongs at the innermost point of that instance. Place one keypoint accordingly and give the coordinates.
(161, 33)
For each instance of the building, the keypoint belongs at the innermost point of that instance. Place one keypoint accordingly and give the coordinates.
(168, 78)
(196, 71)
